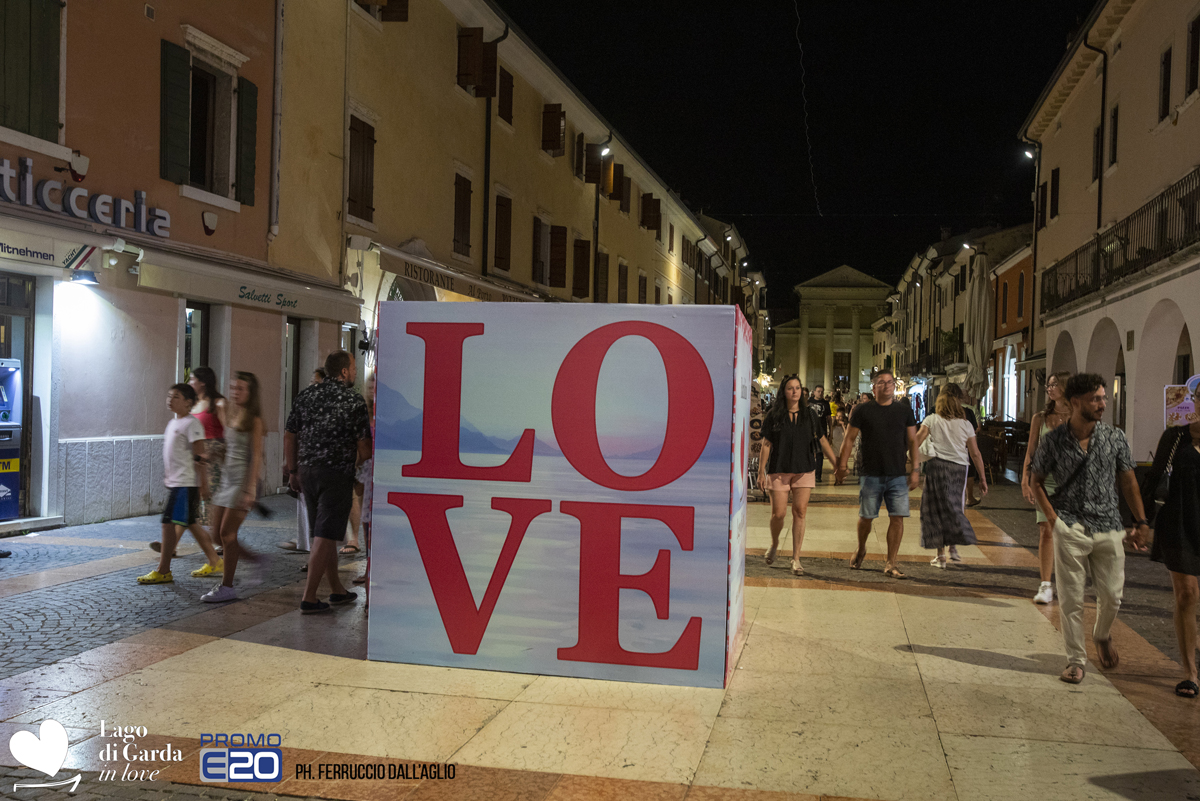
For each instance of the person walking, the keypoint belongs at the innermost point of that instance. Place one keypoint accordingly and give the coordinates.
(951, 445)
(1177, 535)
(183, 450)
(210, 411)
(888, 429)
(1088, 458)
(365, 476)
(1055, 414)
(328, 435)
(820, 403)
(794, 441)
(303, 541)
(239, 480)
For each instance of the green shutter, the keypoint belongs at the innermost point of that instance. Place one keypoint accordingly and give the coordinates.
(247, 134)
(175, 113)
(16, 65)
(43, 69)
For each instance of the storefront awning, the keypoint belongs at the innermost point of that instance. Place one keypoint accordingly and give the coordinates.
(418, 270)
(200, 280)
(1034, 363)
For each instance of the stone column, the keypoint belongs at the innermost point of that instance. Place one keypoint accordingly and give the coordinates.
(830, 313)
(802, 351)
(855, 349)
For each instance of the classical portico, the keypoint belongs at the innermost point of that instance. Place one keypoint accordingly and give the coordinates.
(831, 341)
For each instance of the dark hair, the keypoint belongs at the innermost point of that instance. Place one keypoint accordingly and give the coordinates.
(1063, 377)
(1083, 384)
(773, 419)
(884, 371)
(320, 372)
(336, 362)
(185, 390)
(251, 410)
(819, 386)
(208, 378)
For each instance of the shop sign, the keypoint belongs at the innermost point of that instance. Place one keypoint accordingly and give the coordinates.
(278, 300)
(447, 283)
(17, 186)
(1182, 403)
(561, 490)
(43, 250)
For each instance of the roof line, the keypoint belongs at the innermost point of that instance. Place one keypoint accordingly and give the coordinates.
(1080, 38)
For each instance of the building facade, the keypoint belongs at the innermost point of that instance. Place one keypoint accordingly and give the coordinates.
(146, 168)
(830, 344)
(1118, 224)
(1018, 373)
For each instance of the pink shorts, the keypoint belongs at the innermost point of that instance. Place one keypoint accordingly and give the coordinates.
(784, 481)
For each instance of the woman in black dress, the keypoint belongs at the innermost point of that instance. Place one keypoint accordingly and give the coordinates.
(794, 439)
(1177, 536)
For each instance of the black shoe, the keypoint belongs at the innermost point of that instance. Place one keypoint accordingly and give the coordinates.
(313, 608)
(344, 598)
(263, 510)
(5, 554)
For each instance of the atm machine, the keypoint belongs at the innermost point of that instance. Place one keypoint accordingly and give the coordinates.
(10, 439)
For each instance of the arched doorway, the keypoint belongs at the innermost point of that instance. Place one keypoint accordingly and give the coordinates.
(1064, 354)
(1105, 354)
(1158, 364)
(1010, 383)
(1185, 362)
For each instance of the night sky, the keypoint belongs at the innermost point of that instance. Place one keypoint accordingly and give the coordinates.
(913, 110)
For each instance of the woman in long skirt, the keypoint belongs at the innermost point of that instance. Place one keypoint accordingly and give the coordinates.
(951, 438)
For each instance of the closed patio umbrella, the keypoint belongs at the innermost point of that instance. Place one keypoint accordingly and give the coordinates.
(980, 325)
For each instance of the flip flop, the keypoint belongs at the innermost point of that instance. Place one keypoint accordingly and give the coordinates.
(797, 569)
(1107, 653)
(1071, 679)
(1182, 689)
(771, 553)
(857, 560)
(892, 572)
(348, 549)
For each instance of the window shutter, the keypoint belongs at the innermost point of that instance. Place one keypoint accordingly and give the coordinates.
(368, 173)
(1041, 206)
(601, 295)
(393, 10)
(470, 57)
(558, 256)
(247, 135)
(671, 239)
(44, 36)
(653, 212)
(506, 96)
(645, 219)
(581, 279)
(554, 129)
(489, 63)
(627, 194)
(354, 185)
(462, 215)
(175, 113)
(1164, 85)
(502, 258)
(641, 289)
(580, 155)
(622, 283)
(539, 266)
(593, 167)
(657, 295)
(616, 190)
(607, 175)
(1054, 187)
(1021, 295)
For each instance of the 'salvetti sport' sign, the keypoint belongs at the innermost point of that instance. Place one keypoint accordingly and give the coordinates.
(553, 489)
(17, 186)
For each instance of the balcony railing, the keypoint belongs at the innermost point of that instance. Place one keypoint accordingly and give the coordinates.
(1166, 225)
(954, 355)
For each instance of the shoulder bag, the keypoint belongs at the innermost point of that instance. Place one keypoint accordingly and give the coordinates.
(1164, 484)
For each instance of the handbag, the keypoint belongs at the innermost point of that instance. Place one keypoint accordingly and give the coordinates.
(1164, 483)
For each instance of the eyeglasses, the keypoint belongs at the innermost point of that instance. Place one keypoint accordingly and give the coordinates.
(891, 383)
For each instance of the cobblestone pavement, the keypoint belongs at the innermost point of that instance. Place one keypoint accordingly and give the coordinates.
(44, 625)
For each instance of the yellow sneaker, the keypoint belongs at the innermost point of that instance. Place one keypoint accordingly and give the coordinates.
(154, 577)
(208, 569)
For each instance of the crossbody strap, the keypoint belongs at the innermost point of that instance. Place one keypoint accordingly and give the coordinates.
(1062, 488)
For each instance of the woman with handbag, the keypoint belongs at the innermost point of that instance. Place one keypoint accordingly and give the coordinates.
(948, 441)
(1177, 534)
(793, 439)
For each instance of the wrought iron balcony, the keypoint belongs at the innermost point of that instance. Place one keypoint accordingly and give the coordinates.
(1162, 227)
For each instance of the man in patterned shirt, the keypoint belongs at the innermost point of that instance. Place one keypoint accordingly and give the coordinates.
(1087, 459)
(328, 435)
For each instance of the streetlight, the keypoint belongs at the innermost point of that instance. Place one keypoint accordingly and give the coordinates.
(1029, 154)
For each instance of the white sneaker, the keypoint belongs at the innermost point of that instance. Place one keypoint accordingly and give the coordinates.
(939, 562)
(219, 595)
(1045, 594)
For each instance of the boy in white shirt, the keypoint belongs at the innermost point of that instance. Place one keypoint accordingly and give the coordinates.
(183, 449)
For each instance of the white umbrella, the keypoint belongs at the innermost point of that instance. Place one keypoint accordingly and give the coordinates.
(980, 326)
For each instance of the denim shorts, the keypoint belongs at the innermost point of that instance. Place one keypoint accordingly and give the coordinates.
(891, 490)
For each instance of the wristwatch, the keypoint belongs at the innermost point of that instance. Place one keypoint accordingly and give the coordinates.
(1142, 522)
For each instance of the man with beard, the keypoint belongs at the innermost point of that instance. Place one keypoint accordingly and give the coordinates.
(1087, 458)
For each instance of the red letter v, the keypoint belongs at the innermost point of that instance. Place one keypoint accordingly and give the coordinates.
(464, 622)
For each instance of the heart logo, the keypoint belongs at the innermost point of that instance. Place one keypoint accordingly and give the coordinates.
(46, 753)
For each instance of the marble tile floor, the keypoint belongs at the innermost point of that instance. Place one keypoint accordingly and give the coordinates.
(886, 692)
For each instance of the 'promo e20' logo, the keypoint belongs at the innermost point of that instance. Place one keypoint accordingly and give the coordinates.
(241, 762)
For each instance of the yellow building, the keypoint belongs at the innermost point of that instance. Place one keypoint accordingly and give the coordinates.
(469, 168)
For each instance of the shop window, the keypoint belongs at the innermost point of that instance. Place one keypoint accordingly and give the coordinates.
(360, 191)
(208, 118)
(197, 326)
(16, 342)
(29, 91)
(462, 215)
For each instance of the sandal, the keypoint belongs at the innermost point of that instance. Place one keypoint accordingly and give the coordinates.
(1069, 676)
(771, 553)
(797, 570)
(348, 549)
(1107, 654)
(892, 572)
(857, 560)
(1187, 689)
